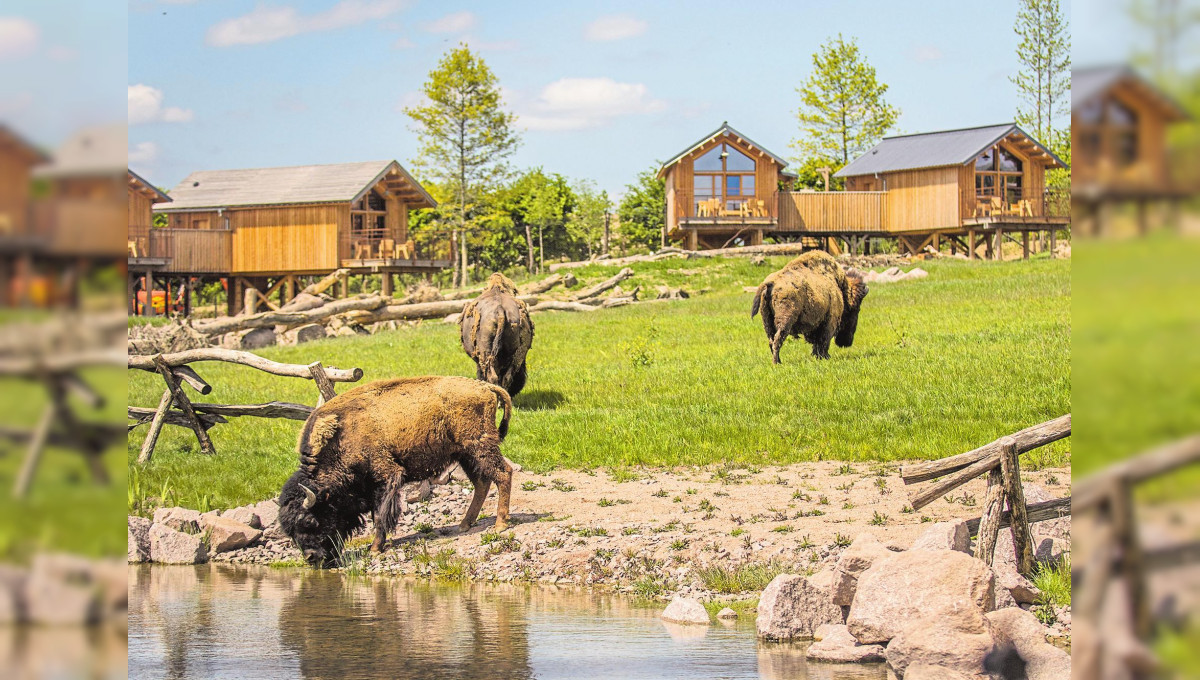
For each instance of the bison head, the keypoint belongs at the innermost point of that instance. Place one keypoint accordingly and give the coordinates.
(316, 524)
(853, 293)
(502, 282)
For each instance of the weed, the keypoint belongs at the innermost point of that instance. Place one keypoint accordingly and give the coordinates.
(823, 500)
(679, 544)
(844, 469)
(879, 519)
(847, 505)
(783, 529)
(907, 510)
(423, 528)
(648, 586)
(630, 531)
(532, 485)
(561, 485)
(588, 532)
(604, 503)
(740, 579)
(840, 540)
(737, 532)
(661, 493)
(801, 496)
(805, 543)
(622, 475)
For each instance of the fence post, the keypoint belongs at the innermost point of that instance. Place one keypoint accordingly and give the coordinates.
(324, 384)
(181, 400)
(993, 509)
(1022, 538)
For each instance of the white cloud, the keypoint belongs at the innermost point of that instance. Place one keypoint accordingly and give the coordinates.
(456, 22)
(18, 37)
(403, 43)
(615, 27)
(267, 23)
(143, 153)
(927, 53)
(145, 106)
(580, 103)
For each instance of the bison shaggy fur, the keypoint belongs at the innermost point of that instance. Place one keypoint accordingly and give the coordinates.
(359, 448)
(811, 297)
(497, 333)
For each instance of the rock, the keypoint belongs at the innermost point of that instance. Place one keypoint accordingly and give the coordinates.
(112, 578)
(835, 644)
(945, 536)
(1017, 586)
(306, 333)
(139, 539)
(914, 273)
(225, 534)
(12, 594)
(453, 318)
(669, 293)
(168, 546)
(857, 558)
(727, 613)
(267, 511)
(792, 607)
(346, 332)
(1021, 629)
(60, 591)
(179, 519)
(685, 610)
(1045, 548)
(915, 584)
(959, 643)
(245, 515)
(256, 338)
(924, 671)
(1004, 598)
(420, 493)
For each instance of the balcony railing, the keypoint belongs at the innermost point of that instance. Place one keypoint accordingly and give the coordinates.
(182, 250)
(758, 208)
(833, 211)
(1016, 202)
(381, 245)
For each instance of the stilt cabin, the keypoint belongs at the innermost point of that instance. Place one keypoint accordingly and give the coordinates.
(262, 228)
(1119, 124)
(18, 244)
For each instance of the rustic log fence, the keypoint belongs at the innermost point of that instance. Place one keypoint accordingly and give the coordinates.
(1000, 461)
(176, 408)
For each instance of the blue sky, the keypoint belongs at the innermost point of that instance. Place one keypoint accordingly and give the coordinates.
(602, 89)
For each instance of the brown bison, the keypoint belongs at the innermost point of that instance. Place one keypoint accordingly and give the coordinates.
(497, 333)
(811, 297)
(357, 449)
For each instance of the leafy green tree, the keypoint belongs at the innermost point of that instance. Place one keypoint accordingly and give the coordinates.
(465, 134)
(643, 210)
(809, 175)
(1044, 81)
(546, 203)
(843, 111)
(585, 224)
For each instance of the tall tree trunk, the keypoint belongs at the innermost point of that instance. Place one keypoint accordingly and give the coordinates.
(528, 249)
(541, 250)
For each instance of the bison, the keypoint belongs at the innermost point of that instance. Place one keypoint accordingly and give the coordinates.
(811, 297)
(359, 448)
(497, 333)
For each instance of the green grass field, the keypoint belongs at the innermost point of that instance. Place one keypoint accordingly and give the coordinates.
(939, 366)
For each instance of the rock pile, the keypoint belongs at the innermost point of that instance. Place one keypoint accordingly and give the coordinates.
(183, 536)
(893, 274)
(63, 590)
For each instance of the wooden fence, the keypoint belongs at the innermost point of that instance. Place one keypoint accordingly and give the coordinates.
(833, 211)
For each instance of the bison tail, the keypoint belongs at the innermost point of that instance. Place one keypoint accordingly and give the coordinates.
(318, 431)
(506, 402)
(762, 301)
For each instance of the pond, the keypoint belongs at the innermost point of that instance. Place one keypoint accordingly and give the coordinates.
(221, 622)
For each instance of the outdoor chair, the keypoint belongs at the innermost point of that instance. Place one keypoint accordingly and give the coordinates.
(406, 250)
(133, 249)
(387, 248)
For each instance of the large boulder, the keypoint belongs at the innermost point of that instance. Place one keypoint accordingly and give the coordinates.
(924, 671)
(945, 536)
(916, 584)
(835, 644)
(256, 338)
(960, 643)
(225, 534)
(179, 519)
(60, 591)
(685, 610)
(168, 546)
(1019, 588)
(245, 515)
(793, 607)
(267, 511)
(306, 333)
(139, 539)
(857, 558)
(1021, 630)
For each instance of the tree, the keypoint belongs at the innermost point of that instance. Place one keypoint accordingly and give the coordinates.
(843, 111)
(808, 174)
(587, 221)
(546, 203)
(464, 131)
(1044, 81)
(643, 210)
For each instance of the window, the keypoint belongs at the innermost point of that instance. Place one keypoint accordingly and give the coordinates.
(986, 161)
(726, 173)
(1108, 130)
(710, 161)
(998, 173)
(1009, 162)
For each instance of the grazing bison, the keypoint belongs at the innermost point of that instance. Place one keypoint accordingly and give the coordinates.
(357, 449)
(497, 333)
(811, 297)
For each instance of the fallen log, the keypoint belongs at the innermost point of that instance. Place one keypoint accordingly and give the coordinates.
(1037, 512)
(273, 318)
(561, 306)
(211, 414)
(617, 261)
(325, 283)
(233, 356)
(544, 285)
(31, 366)
(418, 310)
(1027, 439)
(603, 285)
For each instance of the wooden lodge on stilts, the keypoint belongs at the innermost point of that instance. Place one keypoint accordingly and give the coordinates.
(263, 228)
(973, 187)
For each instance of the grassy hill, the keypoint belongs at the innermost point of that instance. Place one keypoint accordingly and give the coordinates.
(939, 366)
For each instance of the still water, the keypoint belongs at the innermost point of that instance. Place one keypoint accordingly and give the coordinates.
(256, 622)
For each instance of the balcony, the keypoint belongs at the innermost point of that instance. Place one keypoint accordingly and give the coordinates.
(718, 213)
(833, 211)
(1015, 206)
(184, 251)
(378, 249)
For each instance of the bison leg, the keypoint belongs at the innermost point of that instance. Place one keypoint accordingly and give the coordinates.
(389, 506)
(820, 342)
(482, 484)
(776, 344)
(485, 467)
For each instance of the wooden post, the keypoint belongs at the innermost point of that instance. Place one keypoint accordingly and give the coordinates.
(387, 289)
(989, 527)
(148, 291)
(970, 244)
(249, 300)
(1010, 470)
(1025, 245)
(998, 251)
(185, 405)
(160, 415)
(130, 305)
(187, 296)
(33, 455)
(324, 384)
(1132, 567)
(1053, 241)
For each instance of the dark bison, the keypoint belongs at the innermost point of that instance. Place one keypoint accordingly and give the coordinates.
(497, 333)
(811, 297)
(357, 450)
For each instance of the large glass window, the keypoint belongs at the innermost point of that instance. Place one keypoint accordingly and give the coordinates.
(998, 173)
(725, 176)
(1108, 129)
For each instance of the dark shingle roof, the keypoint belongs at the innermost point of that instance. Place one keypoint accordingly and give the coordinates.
(723, 130)
(932, 150)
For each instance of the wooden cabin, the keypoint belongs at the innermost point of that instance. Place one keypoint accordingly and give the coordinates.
(264, 227)
(18, 244)
(83, 215)
(1119, 123)
(722, 189)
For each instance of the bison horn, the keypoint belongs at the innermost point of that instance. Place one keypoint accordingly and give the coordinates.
(310, 497)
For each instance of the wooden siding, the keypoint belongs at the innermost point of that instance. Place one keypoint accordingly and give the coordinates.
(139, 209)
(923, 199)
(1151, 169)
(14, 194)
(292, 239)
(832, 211)
(679, 179)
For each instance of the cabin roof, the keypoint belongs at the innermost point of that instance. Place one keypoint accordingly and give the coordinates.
(302, 184)
(938, 149)
(10, 140)
(100, 150)
(140, 183)
(724, 130)
(1094, 81)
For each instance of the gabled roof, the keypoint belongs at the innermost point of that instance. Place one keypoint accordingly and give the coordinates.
(724, 130)
(142, 184)
(100, 150)
(1094, 81)
(336, 183)
(938, 149)
(11, 141)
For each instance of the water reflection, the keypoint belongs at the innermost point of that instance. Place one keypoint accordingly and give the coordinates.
(62, 653)
(219, 622)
